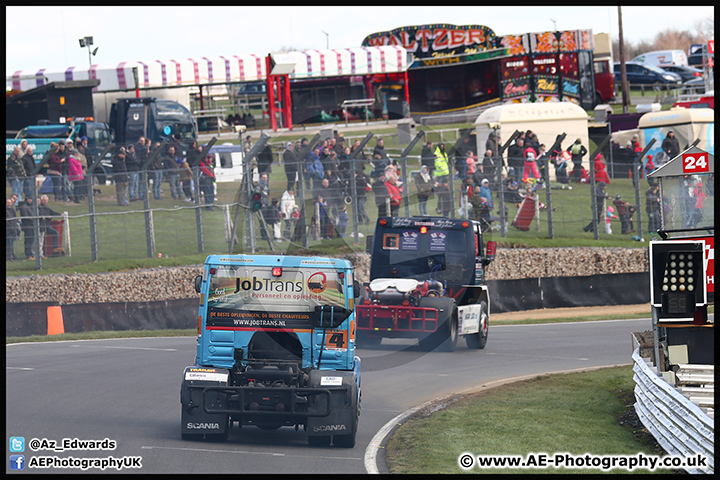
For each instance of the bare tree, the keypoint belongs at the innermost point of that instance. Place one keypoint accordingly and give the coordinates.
(669, 39)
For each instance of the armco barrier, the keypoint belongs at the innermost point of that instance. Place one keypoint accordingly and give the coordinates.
(23, 319)
(679, 426)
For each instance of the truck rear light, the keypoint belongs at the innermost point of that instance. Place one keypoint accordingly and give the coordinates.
(383, 222)
(423, 230)
(465, 224)
(277, 272)
(491, 248)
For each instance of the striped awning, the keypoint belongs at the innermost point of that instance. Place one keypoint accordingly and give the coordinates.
(178, 72)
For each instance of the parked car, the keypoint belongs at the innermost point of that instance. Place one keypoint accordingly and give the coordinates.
(698, 59)
(256, 88)
(686, 73)
(694, 86)
(642, 74)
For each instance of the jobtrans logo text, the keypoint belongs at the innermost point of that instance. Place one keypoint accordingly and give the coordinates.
(257, 284)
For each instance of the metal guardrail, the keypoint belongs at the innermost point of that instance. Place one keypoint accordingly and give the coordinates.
(679, 426)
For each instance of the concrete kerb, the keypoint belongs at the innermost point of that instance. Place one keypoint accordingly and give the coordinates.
(375, 451)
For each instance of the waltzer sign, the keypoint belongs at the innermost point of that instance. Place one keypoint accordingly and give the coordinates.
(432, 41)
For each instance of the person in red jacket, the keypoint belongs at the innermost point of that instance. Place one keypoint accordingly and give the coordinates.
(207, 181)
(600, 172)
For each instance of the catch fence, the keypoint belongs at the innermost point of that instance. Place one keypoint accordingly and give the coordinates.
(100, 229)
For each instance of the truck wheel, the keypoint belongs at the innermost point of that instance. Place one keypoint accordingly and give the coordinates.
(445, 337)
(478, 340)
(314, 441)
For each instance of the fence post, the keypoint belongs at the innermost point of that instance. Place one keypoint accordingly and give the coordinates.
(198, 214)
(636, 166)
(149, 233)
(555, 148)
(403, 170)
(93, 220)
(353, 184)
(91, 200)
(66, 233)
(499, 167)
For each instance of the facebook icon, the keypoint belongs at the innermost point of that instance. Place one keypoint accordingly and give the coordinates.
(17, 462)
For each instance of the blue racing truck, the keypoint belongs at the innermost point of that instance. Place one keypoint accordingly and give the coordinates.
(275, 347)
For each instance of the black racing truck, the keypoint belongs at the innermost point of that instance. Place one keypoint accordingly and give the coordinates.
(275, 348)
(427, 281)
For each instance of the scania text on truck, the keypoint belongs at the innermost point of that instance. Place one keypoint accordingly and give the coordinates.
(275, 348)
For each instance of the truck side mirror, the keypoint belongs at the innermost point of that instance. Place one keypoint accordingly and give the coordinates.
(368, 243)
(328, 316)
(356, 289)
(198, 283)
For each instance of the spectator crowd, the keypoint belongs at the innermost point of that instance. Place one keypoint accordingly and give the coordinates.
(327, 173)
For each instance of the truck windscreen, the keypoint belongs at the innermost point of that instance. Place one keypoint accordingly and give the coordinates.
(439, 254)
(291, 289)
(284, 297)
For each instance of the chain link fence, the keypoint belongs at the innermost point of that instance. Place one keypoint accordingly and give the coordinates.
(108, 224)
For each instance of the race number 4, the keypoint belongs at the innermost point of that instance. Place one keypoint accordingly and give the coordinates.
(695, 163)
(336, 340)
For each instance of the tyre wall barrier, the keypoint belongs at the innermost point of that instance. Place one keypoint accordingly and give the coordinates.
(23, 319)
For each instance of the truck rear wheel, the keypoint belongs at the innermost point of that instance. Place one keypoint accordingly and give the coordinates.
(348, 441)
(479, 340)
(446, 335)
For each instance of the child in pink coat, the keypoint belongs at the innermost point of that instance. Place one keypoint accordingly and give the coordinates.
(609, 215)
(75, 175)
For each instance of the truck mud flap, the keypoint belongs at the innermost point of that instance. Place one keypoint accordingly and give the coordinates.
(342, 404)
(195, 420)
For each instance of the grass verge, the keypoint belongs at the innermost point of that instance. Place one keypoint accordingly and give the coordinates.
(577, 413)
(103, 335)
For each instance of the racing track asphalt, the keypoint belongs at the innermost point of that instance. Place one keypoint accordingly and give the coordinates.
(128, 390)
